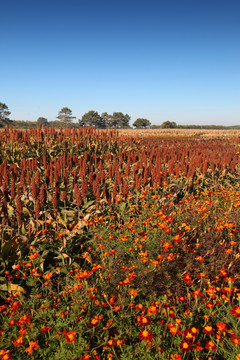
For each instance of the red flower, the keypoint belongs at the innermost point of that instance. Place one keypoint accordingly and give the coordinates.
(111, 342)
(24, 320)
(86, 357)
(95, 320)
(5, 354)
(210, 345)
(236, 311)
(191, 333)
(208, 329)
(143, 320)
(187, 278)
(140, 307)
(145, 335)
(19, 341)
(221, 326)
(70, 336)
(235, 339)
(184, 346)
(33, 345)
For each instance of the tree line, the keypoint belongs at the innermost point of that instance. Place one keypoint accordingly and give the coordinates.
(117, 120)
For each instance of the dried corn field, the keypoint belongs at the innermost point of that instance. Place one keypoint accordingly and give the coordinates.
(179, 133)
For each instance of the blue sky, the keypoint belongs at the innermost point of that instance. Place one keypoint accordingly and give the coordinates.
(176, 60)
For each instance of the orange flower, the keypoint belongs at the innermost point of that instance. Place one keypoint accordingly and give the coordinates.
(33, 345)
(19, 341)
(236, 311)
(176, 357)
(223, 272)
(45, 329)
(208, 329)
(145, 321)
(33, 256)
(152, 310)
(172, 328)
(133, 292)
(5, 354)
(140, 307)
(11, 323)
(221, 326)
(47, 276)
(111, 342)
(167, 245)
(194, 330)
(187, 278)
(95, 320)
(190, 333)
(119, 342)
(199, 258)
(145, 335)
(235, 339)
(210, 345)
(184, 346)
(70, 336)
(177, 238)
(86, 357)
(170, 257)
(196, 293)
(209, 305)
(22, 330)
(24, 320)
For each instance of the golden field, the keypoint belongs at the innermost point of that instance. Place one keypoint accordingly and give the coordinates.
(166, 133)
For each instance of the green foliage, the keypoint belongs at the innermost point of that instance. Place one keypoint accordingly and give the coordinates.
(119, 121)
(168, 125)
(65, 115)
(4, 113)
(141, 123)
(92, 118)
(42, 121)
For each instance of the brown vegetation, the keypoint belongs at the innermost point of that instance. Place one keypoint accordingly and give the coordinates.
(184, 133)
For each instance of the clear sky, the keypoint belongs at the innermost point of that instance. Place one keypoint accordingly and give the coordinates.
(176, 60)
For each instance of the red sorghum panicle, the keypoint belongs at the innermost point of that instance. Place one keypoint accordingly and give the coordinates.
(43, 195)
(64, 196)
(37, 209)
(84, 188)
(54, 201)
(34, 190)
(13, 190)
(77, 195)
(37, 179)
(18, 209)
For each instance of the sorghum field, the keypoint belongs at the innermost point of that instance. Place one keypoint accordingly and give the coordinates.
(119, 247)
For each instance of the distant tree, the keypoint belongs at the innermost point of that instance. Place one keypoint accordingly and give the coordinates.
(4, 113)
(169, 125)
(106, 119)
(92, 118)
(42, 120)
(155, 127)
(65, 116)
(141, 123)
(118, 120)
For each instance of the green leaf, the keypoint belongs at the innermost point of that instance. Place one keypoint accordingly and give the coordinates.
(62, 221)
(122, 206)
(7, 248)
(23, 230)
(11, 211)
